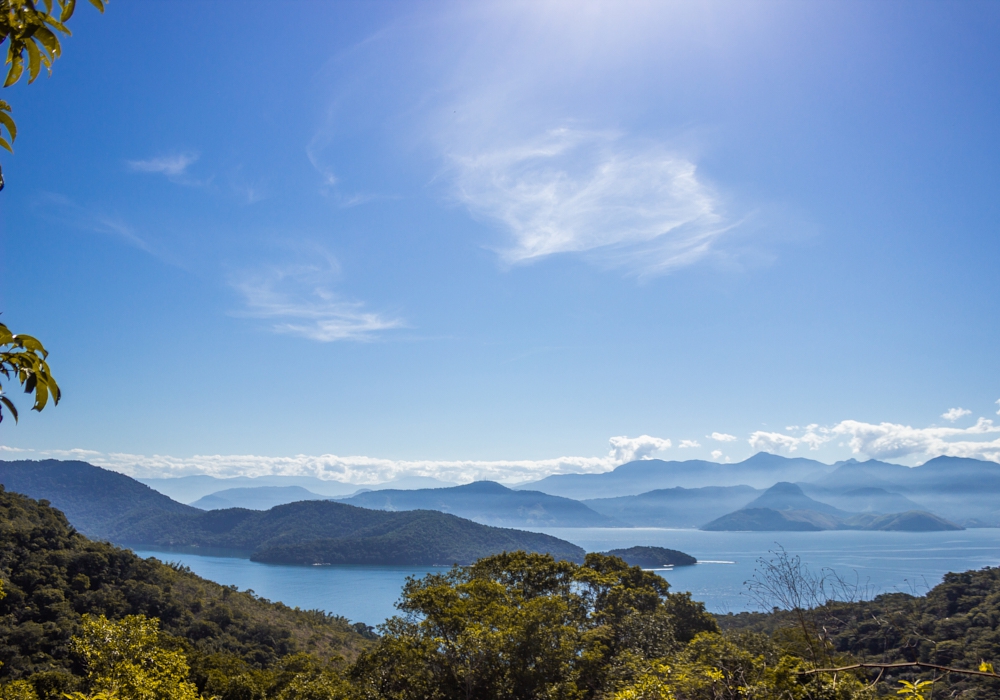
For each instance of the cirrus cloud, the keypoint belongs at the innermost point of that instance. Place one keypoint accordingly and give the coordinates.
(585, 192)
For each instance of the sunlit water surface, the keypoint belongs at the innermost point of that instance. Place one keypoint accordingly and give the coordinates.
(884, 561)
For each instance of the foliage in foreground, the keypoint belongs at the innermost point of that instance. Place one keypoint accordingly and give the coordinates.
(956, 624)
(54, 576)
(23, 359)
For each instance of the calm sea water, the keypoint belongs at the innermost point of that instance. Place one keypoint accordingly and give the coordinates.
(886, 561)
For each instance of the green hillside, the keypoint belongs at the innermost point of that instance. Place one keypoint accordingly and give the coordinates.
(52, 575)
(111, 506)
(324, 532)
(416, 537)
(653, 557)
(94, 499)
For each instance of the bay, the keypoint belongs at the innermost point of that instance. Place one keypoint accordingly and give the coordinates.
(883, 562)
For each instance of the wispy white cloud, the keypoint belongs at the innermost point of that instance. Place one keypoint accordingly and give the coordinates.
(953, 414)
(890, 440)
(723, 437)
(173, 166)
(574, 191)
(689, 443)
(298, 300)
(998, 403)
(64, 210)
(716, 454)
(364, 470)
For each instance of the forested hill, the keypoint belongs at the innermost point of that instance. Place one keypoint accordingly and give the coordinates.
(94, 499)
(324, 532)
(106, 505)
(956, 624)
(52, 575)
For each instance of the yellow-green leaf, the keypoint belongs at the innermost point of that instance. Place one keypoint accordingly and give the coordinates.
(34, 60)
(9, 405)
(49, 41)
(8, 122)
(4, 144)
(68, 6)
(99, 4)
(16, 68)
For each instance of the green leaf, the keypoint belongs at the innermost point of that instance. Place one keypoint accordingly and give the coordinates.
(34, 60)
(7, 402)
(8, 122)
(4, 144)
(68, 6)
(99, 4)
(16, 68)
(49, 41)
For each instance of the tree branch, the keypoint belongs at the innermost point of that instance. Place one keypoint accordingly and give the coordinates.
(920, 664)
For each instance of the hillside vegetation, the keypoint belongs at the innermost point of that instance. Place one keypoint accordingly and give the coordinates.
(956, 624)
(52, 575)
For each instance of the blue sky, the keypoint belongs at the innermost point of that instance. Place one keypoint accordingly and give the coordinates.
(472, 239)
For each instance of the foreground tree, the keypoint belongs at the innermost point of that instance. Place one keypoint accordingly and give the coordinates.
(128, 660)
(519, 625)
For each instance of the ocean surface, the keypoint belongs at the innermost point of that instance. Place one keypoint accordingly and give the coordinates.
(911, 562)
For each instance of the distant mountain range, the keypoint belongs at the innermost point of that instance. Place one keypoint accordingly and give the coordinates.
(490, 503)
(785, 506)
(256, 497)
(188, 489)
(760, 471)
(676, 507)
(111, 506)
(947, 491)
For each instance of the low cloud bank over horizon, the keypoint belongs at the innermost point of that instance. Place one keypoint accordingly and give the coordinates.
(883, 441)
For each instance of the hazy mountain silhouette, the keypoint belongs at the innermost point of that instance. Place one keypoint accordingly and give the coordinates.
(188, 489)
(256, 498)
(490, 503)
(115, 507)
(785, 506)
(676, 507)
(760, 471)
(786, 496)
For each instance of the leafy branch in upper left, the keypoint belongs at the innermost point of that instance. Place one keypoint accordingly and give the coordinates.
(32, 35)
